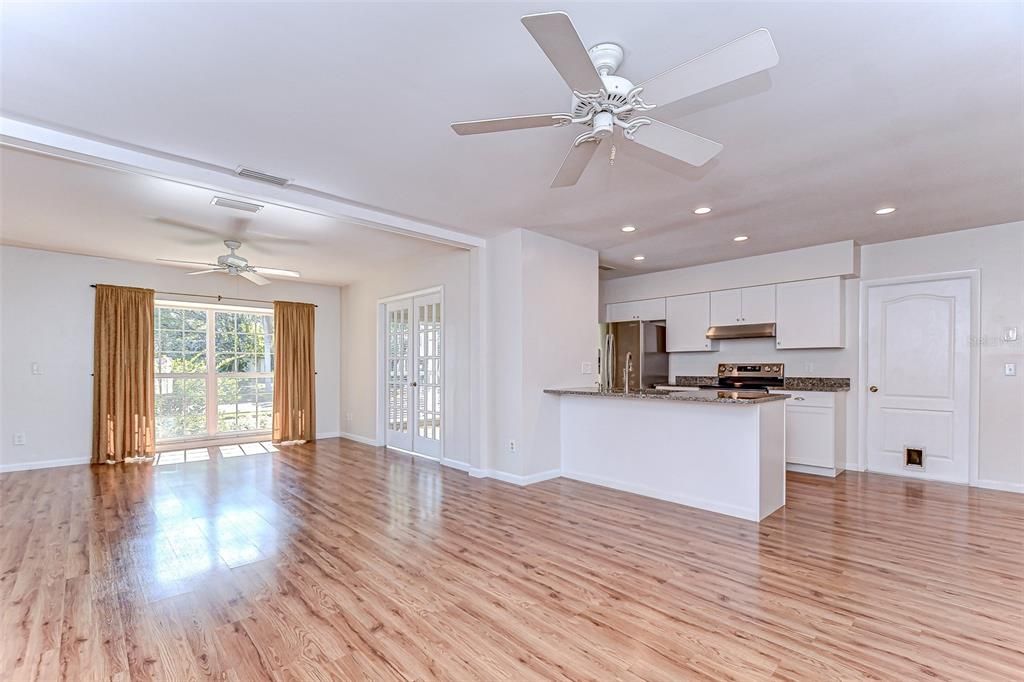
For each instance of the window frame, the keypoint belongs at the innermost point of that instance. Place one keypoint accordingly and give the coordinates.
(212, 435)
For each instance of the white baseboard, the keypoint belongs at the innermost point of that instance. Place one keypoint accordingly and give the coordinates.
(689, 501)
(827, 472)
(853, 466)
(359, 439)
(452, 464)
(329, 434)
(1000, 485)
(43, 464)
(515, 479)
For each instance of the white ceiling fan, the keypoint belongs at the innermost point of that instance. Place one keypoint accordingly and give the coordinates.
(233, 264)
(603, 101)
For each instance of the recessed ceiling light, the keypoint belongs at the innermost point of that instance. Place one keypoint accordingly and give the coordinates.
(740, 238)
(885, 211)
(639, 257)
(629, 228)
(702, 210)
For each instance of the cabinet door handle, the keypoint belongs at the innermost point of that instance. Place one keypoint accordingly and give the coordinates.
(873, 389)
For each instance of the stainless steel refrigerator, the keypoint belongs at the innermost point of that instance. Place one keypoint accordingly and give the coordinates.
(644, 344)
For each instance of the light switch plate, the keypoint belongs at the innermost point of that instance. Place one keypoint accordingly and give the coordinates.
(19, 438)
(1010, 369)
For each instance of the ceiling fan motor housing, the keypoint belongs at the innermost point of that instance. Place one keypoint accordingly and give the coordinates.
(617, 88)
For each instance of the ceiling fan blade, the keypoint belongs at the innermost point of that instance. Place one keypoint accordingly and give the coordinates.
(744, 56)
(204, 272)
(497, 125)
(254, 278)
(677, 143)
(278, 271)
(186, 262)
(575, 163)
(556, 35)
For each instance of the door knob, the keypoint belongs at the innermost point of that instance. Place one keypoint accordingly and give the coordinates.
(873, 389)
(413, 384)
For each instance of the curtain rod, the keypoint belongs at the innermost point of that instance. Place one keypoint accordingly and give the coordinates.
(217, 296)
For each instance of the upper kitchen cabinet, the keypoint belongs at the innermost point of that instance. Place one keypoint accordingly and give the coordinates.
(749, 305)
(649, 309)
(810, 314)
(687, 319)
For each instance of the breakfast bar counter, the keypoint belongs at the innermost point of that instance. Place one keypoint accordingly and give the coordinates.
(721, 454)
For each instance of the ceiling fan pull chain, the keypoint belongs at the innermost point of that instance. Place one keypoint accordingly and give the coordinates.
(611, 156)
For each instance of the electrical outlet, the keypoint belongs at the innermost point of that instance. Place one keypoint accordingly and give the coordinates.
(1010, 369)
(586, 368)
(348, 417)
(19, 438)
(511, 446)
(36, 369)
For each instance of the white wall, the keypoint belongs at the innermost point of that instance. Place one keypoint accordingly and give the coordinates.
(504, 312)
(543, 326)
(825, 260)
(560, 312)
(46, 316)
(359, 349)
(996, 251)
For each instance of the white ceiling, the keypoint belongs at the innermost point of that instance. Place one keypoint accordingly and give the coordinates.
(917, 105)
(63, 205)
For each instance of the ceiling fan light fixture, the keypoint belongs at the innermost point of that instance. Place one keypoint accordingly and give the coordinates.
(886, 211)
(702, 210)
(629, 228)
(639, 258)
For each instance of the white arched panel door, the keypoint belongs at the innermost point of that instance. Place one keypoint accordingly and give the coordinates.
(918, 379)
(414, 395)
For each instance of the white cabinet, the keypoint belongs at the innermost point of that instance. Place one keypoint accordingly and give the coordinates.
(757, 304)
(815, 432)
(749, 305)
(648, 309)
(687, 319)
(810, 314)
(726, 307)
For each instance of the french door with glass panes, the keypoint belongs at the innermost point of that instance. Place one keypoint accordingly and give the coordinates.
(413, 385)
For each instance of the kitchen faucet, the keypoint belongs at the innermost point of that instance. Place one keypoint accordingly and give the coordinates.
(626, 371)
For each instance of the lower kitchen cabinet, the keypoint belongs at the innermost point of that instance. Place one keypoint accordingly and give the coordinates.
(816, 432)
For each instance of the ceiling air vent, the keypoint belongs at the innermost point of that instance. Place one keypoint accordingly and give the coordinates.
(238, 204)
(606, 268)
(261, 176)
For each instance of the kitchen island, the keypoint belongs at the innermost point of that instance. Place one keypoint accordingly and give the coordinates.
(723, 453)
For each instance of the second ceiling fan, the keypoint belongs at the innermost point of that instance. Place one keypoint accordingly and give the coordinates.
(603, 101)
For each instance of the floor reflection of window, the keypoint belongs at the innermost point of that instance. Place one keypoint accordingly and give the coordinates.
(181, 456)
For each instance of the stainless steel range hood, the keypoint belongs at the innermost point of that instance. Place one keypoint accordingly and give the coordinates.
(742, 331)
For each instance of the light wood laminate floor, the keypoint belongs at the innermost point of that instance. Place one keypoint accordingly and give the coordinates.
(337, 561)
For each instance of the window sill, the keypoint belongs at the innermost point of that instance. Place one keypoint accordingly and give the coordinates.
(212, 441)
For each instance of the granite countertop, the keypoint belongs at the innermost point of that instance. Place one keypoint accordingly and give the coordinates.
(671, 396)
(825, 384)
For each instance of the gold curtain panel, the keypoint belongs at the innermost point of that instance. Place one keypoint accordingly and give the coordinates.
(123, 424)
(294, 372)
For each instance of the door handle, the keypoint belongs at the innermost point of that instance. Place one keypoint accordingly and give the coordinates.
(413, 384)
(873, 389)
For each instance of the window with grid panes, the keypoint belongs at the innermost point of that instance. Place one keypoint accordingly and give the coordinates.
(214, 372)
